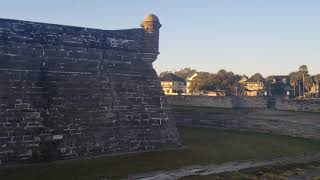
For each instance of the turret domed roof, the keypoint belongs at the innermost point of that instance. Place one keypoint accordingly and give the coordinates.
(150, 18)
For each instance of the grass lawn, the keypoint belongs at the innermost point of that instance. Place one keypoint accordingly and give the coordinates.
(205, 146)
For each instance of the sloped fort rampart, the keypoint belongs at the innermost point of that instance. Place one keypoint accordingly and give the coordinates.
(278, 103)
(298, 118)
(69, 92)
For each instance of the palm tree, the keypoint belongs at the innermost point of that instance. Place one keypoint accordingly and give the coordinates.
(303, 70)
(307, 82)
(294, 81)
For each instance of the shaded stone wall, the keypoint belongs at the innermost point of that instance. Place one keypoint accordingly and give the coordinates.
(202, 101)
(310, 105)
(68, 92)
(219, 101)
(296, 124)
(258, 114)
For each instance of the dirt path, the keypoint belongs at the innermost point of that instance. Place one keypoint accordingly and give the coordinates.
(307, 175)
(204, 170)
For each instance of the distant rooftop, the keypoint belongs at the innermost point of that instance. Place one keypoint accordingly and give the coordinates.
(171, 77)
(252, 80)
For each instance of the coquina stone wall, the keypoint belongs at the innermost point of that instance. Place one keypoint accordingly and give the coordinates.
(307, 105)
(258, 114)
(296, 124)
(202, 101)
(219, 101)
(68, 92)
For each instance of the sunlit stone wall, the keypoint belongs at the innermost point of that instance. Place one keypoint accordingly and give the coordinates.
(68, 92)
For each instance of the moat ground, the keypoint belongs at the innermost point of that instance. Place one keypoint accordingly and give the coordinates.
(288, 172)
(205, 146)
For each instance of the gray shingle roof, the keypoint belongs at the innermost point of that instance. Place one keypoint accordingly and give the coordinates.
(171, 77)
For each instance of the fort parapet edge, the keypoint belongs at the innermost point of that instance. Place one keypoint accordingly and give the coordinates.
(69, 92)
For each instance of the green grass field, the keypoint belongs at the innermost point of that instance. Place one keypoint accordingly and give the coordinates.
(205, 146)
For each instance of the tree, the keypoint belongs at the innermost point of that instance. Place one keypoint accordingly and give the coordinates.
(257, 77)
(185, 73)
(163, 73)
(200, 82)
(228, 81)
(223, 80)
(307, 82)
(304, 78)
(204, 81)
(194, 85)
(270, 79)
(303, 69)
(294, 78)
(316, 79)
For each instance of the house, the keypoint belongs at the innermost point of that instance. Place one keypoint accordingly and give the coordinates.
(243, 79)
(189, 83)
(254, 88)
(214, 93)
(315, 88)
(172, 84)
(283, 79)
(278, 85)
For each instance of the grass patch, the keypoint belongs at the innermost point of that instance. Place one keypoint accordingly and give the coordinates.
(205, 146)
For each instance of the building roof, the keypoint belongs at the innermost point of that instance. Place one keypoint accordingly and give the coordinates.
(171, 77)
(243, 79)
(244, 76)
(251, 80)
(191, 77)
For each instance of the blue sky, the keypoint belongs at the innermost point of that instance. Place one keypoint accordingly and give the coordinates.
(244, 36)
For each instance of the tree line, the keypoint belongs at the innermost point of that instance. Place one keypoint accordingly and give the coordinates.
(302, 81)
(227, 81)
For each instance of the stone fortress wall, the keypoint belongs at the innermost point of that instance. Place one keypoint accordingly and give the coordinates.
(310, 105)
(306, 105)
(68, 92)
(257, 114)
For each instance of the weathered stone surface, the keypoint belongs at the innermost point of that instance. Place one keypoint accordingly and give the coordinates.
(266, 114)
(222, 101)
(296, 124)
(68, 92)
(306, 105)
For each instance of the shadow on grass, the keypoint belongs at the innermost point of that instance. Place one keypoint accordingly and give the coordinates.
(205, 146)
